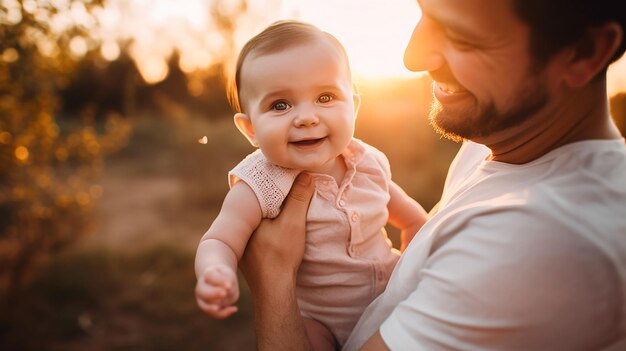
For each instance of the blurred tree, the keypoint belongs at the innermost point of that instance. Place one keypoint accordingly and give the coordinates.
(64, 88)
(48, 170)
(193, 53)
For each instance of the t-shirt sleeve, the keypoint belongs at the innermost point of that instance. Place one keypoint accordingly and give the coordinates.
(270, 183)
(504, 282)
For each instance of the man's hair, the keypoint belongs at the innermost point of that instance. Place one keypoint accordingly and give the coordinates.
(276, 37)
(556, 24)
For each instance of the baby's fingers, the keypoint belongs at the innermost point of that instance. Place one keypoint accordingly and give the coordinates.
(211, 293)
(218, 276)
(217, 311)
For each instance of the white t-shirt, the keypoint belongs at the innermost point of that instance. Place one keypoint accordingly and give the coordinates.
(518, 257)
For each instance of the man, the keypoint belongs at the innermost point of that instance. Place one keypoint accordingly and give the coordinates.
(527, 250)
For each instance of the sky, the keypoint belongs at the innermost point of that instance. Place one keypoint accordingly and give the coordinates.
(374, 32)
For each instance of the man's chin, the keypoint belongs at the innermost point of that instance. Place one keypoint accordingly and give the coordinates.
(455, 126)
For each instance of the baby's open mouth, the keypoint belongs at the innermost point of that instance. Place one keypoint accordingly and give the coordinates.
(308, 141)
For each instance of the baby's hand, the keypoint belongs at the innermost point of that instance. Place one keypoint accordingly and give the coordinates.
(217, 290)
(408, 233)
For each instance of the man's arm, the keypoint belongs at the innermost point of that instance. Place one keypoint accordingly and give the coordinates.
(375, 343)
(270, 264)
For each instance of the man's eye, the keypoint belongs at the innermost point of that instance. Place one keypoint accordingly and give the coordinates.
(280, 106)
(325, 98)
(460, 44)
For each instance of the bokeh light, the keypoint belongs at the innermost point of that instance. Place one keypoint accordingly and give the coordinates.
(78, 46)
(21, 153)
(110, 50)
(10, 55)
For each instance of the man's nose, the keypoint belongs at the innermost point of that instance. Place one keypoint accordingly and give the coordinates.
(423, 53)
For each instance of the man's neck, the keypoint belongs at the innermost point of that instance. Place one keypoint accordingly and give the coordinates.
(582, 115)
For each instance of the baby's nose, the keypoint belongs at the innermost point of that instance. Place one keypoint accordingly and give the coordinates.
(305, 118)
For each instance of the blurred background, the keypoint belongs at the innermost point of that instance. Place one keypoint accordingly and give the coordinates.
(105, 188)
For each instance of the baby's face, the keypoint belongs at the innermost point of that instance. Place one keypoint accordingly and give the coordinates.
(301, 104)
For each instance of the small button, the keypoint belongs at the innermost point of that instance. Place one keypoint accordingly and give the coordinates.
(355, 217)
(342, 203)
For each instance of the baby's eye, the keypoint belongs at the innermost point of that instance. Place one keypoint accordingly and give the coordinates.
(280, 106)
(325, 98)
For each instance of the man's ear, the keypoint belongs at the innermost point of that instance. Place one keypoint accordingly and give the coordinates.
(244, 124)
(592, 54)
(357, 103)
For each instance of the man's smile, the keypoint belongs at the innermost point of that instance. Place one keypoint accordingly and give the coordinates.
(450, 88)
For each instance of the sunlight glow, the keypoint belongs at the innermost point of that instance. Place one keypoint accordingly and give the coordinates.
(616, 77)
(153, 69)
(10, 55)
(374, 32)
(110, 50)
(79, 14)
(12, 15)
(21, 153)
(198, 59)
(78, 46)
(29, 6)
(155, 29)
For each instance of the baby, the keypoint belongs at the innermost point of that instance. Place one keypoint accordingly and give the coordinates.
(294, 98)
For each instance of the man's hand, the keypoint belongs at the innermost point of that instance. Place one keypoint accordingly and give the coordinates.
(270, 263)
(277, 245)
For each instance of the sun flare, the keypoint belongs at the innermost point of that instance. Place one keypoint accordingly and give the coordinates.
(374, 32)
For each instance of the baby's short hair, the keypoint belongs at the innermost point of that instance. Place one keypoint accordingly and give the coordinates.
(276, 37)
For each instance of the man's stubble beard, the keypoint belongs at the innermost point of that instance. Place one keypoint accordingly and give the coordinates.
(477, 121)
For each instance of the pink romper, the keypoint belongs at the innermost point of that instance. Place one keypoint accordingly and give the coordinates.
(348, 257)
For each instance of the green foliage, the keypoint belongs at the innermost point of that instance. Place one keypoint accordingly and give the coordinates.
(48, 171)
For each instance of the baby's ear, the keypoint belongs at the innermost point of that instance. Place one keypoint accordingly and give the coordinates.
(244, 124)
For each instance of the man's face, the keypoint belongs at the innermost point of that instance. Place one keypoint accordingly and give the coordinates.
(477, 53)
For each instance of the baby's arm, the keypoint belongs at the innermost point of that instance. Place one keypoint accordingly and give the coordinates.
(220, 249)
(405, 214)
